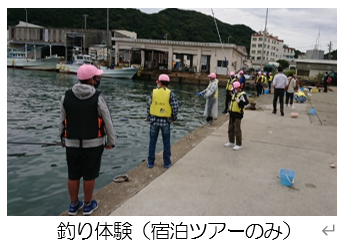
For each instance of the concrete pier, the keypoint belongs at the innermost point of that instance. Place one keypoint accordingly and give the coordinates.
(207, 178)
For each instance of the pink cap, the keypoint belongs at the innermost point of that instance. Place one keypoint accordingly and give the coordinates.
(212, 75)
(240, 72)
(232, 73)
(164, 78)
(236, 85)
(259, 73)
(88, 71)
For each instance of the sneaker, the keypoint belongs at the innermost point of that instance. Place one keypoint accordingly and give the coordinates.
(167, 165)
(237, 147)
(229, 144)
(293, 107)
(73, 210)
(88, 210)
(282, 113)
(150, 164)
(274, 112)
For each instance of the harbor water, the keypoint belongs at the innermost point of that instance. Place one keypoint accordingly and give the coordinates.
(37, 174)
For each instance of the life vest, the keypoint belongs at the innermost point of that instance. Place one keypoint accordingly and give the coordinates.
(82, 121)
(229, 85)
(215, 95)
(259, 79)
(270, 79)
(301, 93)
(234, 106)
(160, 103)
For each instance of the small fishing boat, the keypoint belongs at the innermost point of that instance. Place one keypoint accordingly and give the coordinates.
(122, 73)
(80, 59)
(18, 59)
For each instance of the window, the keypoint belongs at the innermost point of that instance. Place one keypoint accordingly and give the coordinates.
(221, 63)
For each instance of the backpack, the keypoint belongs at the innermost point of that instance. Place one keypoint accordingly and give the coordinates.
(329, 79)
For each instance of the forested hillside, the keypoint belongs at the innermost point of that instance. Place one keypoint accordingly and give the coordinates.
(179, 25)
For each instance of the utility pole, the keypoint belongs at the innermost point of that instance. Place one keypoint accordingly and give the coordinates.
(330, 47)
(85, 20)
(26, 36)
(107, 19)
(263, 43)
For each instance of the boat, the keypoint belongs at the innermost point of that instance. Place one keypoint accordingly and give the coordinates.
(80, 59)
(122, 73)
(18, 59)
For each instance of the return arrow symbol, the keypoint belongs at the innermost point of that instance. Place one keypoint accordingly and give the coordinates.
(325, 230)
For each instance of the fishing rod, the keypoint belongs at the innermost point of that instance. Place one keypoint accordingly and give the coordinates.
(184, 91)
(35, 143)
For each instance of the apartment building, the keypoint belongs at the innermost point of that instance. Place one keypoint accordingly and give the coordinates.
(268, 48)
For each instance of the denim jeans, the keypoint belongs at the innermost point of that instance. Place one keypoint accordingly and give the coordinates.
(165, 131)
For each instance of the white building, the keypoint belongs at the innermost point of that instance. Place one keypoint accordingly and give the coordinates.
(266, 48)
(126, 48)
(196, 56)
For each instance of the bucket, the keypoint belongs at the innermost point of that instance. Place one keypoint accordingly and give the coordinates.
(312, 111)
(266, 91)
(301, 89)
(286, 177)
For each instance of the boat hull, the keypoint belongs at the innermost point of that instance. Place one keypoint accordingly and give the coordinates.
(39, 64)
(123, 73)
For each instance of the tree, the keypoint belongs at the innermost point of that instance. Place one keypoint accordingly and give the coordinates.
(283, 63)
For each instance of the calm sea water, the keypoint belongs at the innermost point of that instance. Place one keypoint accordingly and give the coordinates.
(37, 175)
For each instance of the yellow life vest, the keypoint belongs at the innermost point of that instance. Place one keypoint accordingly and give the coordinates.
(234, 107)
(216, 91)
(301, 93)
(271, 78)
(160, 103)
(229, 85)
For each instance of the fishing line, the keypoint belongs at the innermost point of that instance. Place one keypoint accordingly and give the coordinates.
(35, 143)
(218, 32)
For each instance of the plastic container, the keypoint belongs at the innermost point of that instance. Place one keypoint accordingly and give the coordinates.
(294, 114)
(286, 177)
(266, 91)
(312, 111)
(301, 89)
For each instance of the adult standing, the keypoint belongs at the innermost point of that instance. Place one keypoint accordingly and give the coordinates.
(279, 83)
(229, 91)
(325, 82)
(162, 110)
(292, 84)
(270, 79)
(86, 128)
(211, 96)
(258, 83)
(242, 80)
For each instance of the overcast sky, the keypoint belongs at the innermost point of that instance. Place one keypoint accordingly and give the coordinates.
(299, 28)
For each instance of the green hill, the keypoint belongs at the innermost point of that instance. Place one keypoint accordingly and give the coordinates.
(179, 25)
